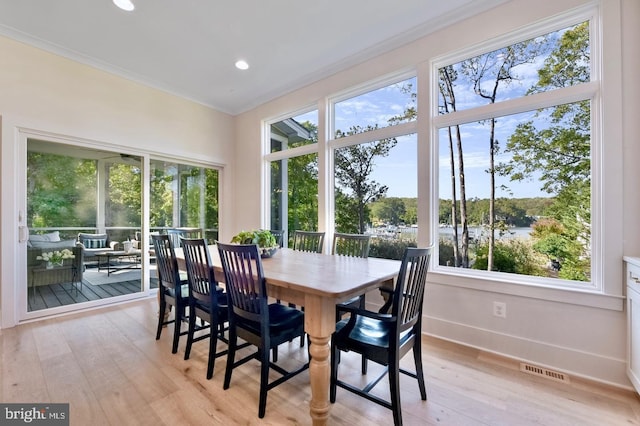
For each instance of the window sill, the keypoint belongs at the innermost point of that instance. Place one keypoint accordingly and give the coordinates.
(572, 296)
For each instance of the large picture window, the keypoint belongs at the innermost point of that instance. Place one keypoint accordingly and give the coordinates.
(502, 171)
(293, 174)
(375, 166)
(515, 158)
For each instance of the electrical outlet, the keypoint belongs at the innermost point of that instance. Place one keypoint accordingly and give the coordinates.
(500, 309)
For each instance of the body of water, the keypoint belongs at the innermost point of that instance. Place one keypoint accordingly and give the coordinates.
(479, 231)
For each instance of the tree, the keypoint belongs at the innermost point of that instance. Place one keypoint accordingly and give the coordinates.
(487, 73)
(303, 192)
(447, 76)
(556, 144)
(61, 191)
(353, 166)
(390, 210)
(124, 195)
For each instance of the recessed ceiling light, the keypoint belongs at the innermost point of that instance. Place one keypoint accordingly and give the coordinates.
(242, 65)
(124, 5)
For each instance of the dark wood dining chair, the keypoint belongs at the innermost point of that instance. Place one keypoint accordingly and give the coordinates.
(255, 320)
(173, 288)
(279, 235)
(207, 301)
(385, 338)
(352, 245)
(308, 241)
(177, 233)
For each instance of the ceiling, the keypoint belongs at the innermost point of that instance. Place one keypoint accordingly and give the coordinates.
(189, 47)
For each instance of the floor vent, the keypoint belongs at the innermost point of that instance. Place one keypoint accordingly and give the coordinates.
(543, 372)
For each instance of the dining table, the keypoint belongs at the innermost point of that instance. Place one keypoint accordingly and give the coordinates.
(318, 282)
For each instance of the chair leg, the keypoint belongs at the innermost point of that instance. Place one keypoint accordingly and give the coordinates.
(177, 326)
(190, 333)
(394, 390)
(231, 354)
(213, 344)
(264, 381)
(417, 358)
(364, 365)
(161, 311)
(335, 360)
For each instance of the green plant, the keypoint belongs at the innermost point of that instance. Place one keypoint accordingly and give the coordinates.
(263, 238)
(56, 257)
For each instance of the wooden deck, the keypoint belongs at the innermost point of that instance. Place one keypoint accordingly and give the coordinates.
(54, 295)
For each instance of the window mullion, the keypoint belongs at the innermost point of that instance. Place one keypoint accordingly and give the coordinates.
(536, 101)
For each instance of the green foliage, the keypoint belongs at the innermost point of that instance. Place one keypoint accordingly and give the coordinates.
(389, 210)
(346, 221)
(513, 256)
(124, 196)
(353, 167)
(196, 186)
(561, 153)
(60, 191)
(446, 254)
(389, 249)
(518, 212)
(303, 192)
(263, 238)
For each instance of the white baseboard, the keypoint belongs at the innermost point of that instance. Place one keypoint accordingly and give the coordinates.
(590, 366)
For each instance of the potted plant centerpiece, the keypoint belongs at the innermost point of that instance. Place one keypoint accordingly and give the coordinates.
(265, 240)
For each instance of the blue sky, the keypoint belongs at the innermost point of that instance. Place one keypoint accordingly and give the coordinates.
(399, 170)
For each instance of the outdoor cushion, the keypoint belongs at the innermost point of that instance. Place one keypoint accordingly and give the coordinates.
(51, 236)
(93, 240)
(55, 245)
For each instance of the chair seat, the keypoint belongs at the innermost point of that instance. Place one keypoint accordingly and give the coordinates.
(222, 301)
(369, 333)
(282, 317)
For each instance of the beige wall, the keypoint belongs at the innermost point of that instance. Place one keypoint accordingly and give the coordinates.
(57, 96)
(575, 336)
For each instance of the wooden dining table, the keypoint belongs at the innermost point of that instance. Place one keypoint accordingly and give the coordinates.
(318, 282)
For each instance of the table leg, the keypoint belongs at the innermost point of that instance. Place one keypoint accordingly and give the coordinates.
(320, 323)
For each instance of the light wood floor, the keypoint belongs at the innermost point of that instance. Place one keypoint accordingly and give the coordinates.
(109, 367)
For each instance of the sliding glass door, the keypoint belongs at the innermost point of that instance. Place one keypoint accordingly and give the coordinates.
(183, 196)
(85, 226)
(84, 208)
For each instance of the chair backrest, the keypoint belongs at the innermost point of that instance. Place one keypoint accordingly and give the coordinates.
(354, 245)
(308, 241)
(408, 294)
(177, 233)
(166, 263)
(202, 282)
(279, 236)
(244, 278)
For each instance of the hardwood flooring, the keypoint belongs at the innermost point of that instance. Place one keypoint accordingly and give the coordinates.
(108, 366)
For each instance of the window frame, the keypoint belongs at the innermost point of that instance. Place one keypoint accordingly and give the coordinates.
(604, 282)
(606, 111)
(332, 144)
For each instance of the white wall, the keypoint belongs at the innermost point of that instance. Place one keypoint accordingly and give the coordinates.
(49, 93)
(576, 338)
